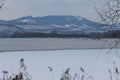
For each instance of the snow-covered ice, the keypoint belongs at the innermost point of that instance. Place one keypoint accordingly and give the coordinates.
(37, 63)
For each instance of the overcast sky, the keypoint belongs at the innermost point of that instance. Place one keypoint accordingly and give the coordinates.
(18, 8)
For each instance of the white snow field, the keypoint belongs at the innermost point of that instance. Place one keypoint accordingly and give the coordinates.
(37, 63)
(36, 44)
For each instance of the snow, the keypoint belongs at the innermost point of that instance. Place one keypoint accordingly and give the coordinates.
(37, 63)
(79, 18)
(67, 25)
(26, 21)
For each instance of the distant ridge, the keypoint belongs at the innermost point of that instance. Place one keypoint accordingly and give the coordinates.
(51, 26)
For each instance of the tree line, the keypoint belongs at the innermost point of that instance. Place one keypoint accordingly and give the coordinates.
(106, 34)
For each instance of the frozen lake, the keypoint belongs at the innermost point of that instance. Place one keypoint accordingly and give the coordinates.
(36, 44)
(37, 63)
(59, 53)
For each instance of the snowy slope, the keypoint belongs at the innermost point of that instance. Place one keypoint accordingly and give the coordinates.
(6, 30)
(50, 24)
(60, 24)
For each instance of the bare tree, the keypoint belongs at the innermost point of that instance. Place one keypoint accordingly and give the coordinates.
(1, 3)
(109, 16)
(109, 13)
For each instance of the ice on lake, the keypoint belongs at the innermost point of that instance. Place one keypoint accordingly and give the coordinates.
(30, 44)
(37, 63)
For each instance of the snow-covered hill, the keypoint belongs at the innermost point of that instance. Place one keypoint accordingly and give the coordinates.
(52, 24)
(57, 23)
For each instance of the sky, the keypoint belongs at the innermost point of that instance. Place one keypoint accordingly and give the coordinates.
(18, 8)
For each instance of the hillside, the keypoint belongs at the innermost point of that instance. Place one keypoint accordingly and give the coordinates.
(51, 26)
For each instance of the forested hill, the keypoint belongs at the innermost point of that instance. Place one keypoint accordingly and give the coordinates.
(54, 26)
